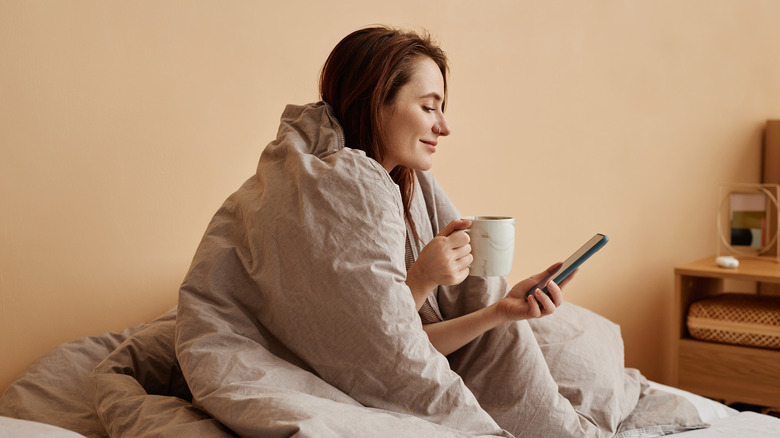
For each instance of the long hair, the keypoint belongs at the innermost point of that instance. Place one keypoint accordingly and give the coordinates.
(363, 73)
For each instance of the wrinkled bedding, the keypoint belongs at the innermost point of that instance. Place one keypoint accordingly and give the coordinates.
(294, 320)
(299, 280)
(57, 390)
(129, 384)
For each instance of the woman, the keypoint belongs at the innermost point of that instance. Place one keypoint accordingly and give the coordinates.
(390, 100)
(301, 304)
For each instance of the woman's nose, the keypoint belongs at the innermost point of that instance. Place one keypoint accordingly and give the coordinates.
(442, 127)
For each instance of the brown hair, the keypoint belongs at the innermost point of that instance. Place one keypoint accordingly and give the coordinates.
(364, 72)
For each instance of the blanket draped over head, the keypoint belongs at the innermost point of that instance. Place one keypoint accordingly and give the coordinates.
(295, 316)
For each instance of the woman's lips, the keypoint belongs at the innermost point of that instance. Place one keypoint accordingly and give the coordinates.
(431, 145)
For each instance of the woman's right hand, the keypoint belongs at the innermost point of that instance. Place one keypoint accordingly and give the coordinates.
(444, 261)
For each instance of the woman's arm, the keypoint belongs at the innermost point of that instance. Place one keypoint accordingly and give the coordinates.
(420, 286)
(450, 335)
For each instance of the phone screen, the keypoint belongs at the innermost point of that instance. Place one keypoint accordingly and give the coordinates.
(573, 262)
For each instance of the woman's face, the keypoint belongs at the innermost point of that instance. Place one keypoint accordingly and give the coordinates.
(414, 121)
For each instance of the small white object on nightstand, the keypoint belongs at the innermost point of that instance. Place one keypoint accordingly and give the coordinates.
(727, 262)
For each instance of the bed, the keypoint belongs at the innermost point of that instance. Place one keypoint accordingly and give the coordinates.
(129, 384)
(295, 320)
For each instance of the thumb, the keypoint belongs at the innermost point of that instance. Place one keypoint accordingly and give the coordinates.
(457, 224)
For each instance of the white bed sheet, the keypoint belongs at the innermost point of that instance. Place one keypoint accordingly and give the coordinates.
(741, 425)
(15, 428)
(724, 421)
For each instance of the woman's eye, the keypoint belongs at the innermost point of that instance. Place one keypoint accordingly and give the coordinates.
(429, 109)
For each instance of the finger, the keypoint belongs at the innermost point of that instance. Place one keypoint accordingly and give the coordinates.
(533, 305)
(464, 261)
(460, 251)
(456, 276)
(547, 273)
(457, 224)
(555, 294)
(541, 277)
(458, 240)
(554, 267)
(452, 226)
(462, 274)
(568, 279)
(544, 300)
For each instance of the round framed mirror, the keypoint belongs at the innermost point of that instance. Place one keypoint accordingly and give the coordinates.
(747, 220)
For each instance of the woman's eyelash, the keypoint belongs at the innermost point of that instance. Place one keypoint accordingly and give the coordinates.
(429, 109)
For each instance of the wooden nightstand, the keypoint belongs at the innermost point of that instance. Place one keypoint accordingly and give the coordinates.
(721, 371)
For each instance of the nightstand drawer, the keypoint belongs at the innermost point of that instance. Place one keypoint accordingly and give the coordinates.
(730, 372)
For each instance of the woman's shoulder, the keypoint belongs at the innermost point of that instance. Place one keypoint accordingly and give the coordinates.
(310, 135)
(349, 173)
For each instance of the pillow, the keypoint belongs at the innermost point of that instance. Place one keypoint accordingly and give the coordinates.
(708, 409)
(140, 390)
(584, 352)
(586, 358)
(519, 380)
(660, 413)
(55, 389)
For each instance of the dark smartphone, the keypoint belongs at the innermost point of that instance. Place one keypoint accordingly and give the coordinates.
(572, 263)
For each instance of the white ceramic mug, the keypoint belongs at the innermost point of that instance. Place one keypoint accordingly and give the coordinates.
(492, 245)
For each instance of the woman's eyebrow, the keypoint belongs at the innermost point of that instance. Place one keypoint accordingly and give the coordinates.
(436, 96)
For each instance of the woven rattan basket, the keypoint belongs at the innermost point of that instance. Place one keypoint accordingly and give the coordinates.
(741, 319)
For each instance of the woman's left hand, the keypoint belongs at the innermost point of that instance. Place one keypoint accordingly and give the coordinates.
(515, 306)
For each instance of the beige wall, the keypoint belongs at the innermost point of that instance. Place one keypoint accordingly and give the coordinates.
(123, 126)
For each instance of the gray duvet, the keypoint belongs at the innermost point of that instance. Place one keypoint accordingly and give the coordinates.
(294, 320)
